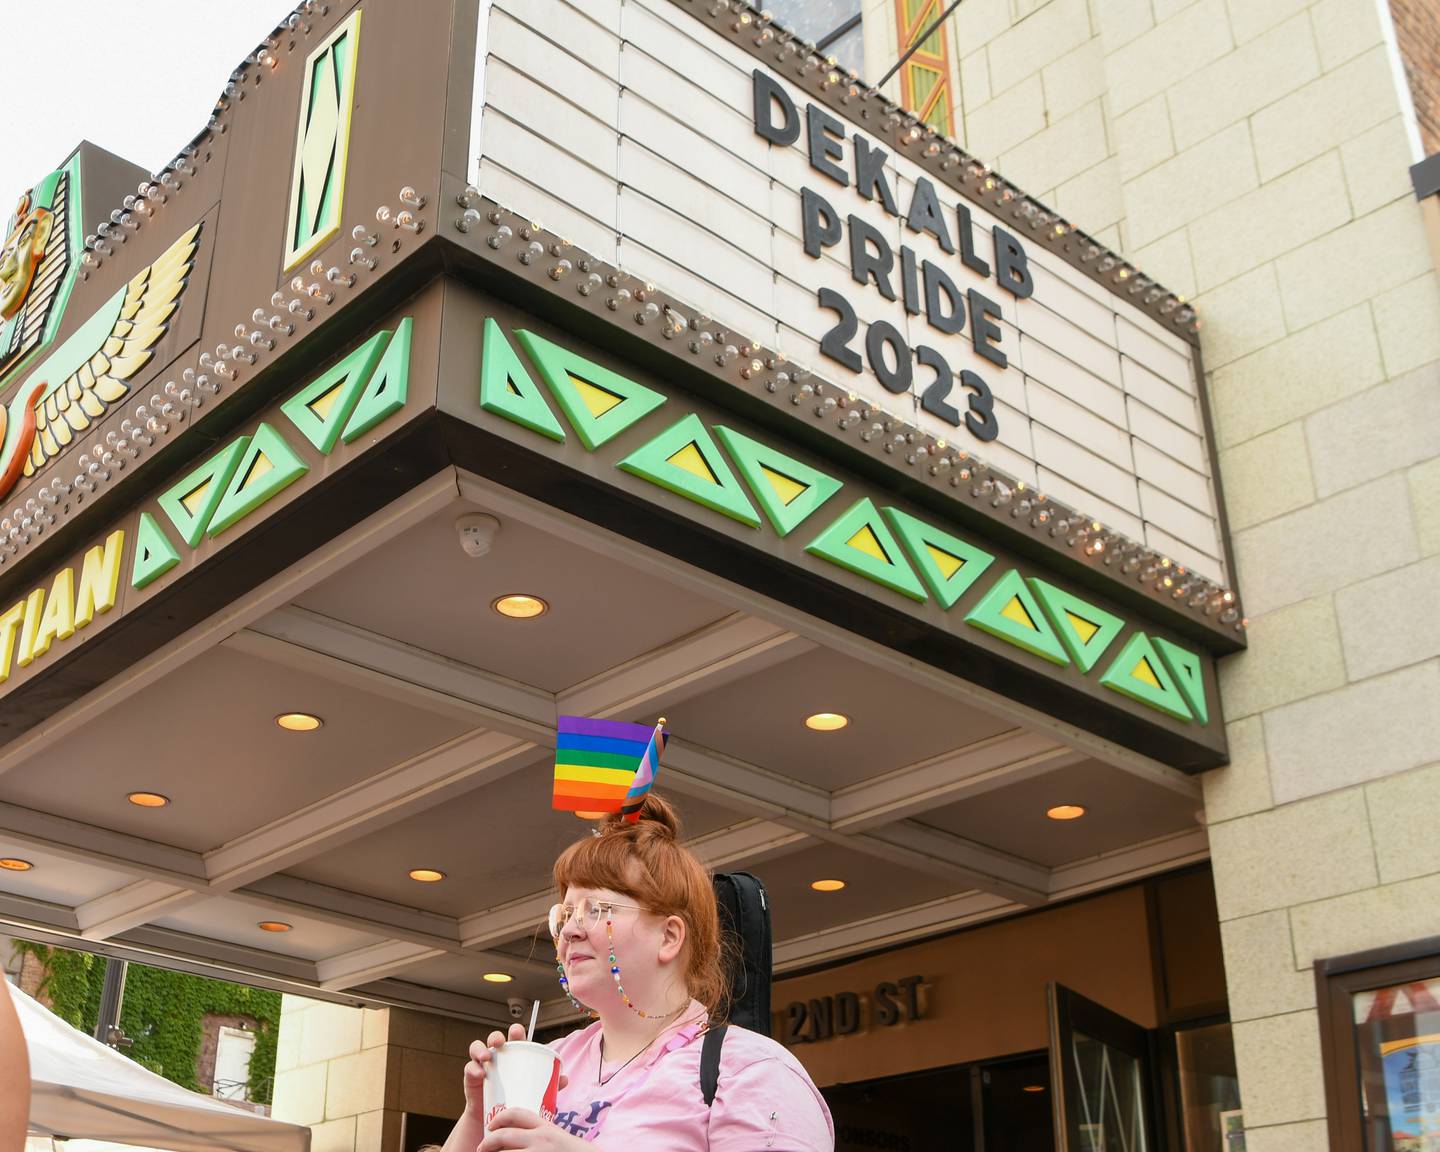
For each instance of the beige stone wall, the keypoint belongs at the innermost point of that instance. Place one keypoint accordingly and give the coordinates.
(350, 1073)
(1252, 154)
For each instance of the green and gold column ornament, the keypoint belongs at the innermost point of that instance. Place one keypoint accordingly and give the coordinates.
(38, 263)
(322, 142)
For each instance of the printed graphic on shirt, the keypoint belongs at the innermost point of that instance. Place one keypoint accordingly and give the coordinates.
(582, 1121)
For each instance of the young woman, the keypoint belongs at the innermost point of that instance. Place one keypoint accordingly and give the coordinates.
(638, 941)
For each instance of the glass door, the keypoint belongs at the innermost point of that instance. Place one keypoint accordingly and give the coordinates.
(1100, 1073)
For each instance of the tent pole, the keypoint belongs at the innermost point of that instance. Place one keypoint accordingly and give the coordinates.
(112, 996)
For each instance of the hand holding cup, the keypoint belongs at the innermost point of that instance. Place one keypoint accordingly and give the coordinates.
(482, 1056)
(482, 1064)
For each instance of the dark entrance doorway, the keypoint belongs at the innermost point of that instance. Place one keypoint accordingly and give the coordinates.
(992, 1106)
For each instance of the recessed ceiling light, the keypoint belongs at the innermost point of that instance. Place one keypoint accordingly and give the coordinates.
(1033, 1088)
(497, 977)
(592, 815)
(519, 606)
(148, 799)
(15, 864)
(827, 885)
(426, 875)
(274, 926)
(826, 722)
(298, 721)
(1065, 812)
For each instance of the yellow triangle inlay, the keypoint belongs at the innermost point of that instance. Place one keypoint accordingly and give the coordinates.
(1145, 674)
(258, 469)
(947, 563)
(1083, 628)
(597, 399)
(866, 541)
(194, 501)
(1016, 611)
(510, 387)
(317, 153)
(690, 459)
(785, 488)
(321, 405)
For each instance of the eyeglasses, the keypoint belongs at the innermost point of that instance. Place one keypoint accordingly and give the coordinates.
(589, 912)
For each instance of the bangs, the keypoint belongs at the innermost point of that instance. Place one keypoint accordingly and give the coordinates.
(610, 862)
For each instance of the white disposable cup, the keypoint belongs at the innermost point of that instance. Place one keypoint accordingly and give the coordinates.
(522, 1074)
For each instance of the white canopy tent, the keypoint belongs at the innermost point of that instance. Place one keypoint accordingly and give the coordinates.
(82, 1090)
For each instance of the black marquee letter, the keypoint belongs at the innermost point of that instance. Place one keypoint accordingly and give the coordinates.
(939, 288)
(909, 280)
(819, 222)
(870, 174)
(864, 266)
(925, 215)
(967, 243)
(826, 135)
(768, 94)
(1012, 270)
(983, 329)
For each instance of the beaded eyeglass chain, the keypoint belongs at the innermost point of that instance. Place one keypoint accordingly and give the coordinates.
(615, 975)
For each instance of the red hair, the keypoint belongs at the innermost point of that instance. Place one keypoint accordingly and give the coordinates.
(646, 862)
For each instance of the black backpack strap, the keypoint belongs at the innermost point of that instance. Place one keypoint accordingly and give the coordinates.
(710, 1063)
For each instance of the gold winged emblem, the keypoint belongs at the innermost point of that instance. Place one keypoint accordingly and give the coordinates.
(45, 417)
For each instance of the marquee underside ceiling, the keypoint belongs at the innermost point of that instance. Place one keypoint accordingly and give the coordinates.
(436, 750)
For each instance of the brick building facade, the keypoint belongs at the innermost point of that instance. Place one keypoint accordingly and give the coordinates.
(1255, 155)
(1417, 33)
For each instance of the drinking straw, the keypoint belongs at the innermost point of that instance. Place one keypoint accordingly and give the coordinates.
(534, 1015)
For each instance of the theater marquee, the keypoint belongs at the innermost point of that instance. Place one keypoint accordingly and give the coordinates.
(664, 270)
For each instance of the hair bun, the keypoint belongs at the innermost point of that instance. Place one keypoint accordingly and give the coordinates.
(656, 817)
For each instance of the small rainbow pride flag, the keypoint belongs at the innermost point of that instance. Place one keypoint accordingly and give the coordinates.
(605, 765)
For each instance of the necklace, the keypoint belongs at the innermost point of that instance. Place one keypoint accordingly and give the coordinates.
(603, 1080)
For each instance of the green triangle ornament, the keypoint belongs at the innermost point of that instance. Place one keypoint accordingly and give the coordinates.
(1085, 630)
(860, 541)
(268, 466)
(1009, 611)
(154, 554)
(320, 409)
(507, 390)
(1189, 676)
(948, 565)
(685, 460)
(191, 503)
(1139, 673)
(599, 403)
(786, 490)
(387, 389)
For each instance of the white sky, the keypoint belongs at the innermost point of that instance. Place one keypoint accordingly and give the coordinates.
(139, 80)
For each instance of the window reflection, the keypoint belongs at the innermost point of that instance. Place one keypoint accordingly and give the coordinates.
(1397, 1038)
(813, 20)
(1210, 1112)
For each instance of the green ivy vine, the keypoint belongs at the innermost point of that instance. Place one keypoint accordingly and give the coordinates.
(163, 1013)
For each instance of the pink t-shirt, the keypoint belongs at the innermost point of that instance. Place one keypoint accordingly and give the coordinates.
(765, 1101)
